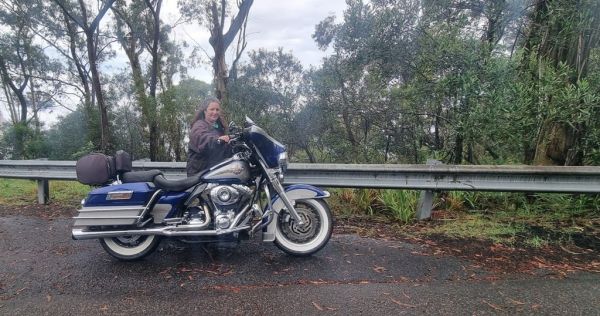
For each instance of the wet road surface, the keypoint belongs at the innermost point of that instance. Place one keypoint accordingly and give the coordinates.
(44, 271)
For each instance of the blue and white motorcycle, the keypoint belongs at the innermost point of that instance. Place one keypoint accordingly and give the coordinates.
(236, 199)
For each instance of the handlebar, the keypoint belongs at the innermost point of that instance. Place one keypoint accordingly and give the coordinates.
(232, 137)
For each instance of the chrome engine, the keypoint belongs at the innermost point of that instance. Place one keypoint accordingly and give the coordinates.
(228, 200)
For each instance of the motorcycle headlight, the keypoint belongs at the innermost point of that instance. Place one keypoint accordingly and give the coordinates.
(283, 161)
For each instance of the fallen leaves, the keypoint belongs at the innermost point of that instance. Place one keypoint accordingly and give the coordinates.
(402, 304)
(317, 306)
(496, 307)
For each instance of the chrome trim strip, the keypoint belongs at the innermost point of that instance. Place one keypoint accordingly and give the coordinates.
(111, 217)
(110, 208)
(183, 230)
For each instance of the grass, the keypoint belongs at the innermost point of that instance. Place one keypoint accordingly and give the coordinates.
(478, 226)
(535, 220)
(17, 192)
(23, 192)
(68, 192)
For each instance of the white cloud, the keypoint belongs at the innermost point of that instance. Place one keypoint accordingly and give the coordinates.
(271, 24)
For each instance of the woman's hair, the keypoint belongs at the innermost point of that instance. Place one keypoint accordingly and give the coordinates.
(203, 106)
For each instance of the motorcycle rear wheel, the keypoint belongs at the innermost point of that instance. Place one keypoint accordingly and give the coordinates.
(308, 239)
(130, 248)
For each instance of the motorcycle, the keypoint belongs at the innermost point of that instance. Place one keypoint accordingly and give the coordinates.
(234, 200)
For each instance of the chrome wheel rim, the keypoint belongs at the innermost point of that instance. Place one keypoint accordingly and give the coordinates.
(301, 234)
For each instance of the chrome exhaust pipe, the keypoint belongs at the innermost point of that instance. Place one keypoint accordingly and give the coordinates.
(183, 230)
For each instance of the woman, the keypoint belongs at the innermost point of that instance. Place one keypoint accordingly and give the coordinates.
(208, 143)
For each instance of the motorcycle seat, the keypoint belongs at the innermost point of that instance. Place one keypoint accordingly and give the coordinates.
(176, 185)
(140, 176)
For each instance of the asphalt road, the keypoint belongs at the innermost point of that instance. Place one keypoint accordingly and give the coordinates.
(43, 271)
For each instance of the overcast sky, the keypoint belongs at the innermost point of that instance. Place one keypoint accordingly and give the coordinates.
(271, 24)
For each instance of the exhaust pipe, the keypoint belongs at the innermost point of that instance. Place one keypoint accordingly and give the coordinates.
(184, 230)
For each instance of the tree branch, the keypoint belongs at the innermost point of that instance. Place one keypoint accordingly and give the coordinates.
(237, 22)
(107, 5)
(72, 17)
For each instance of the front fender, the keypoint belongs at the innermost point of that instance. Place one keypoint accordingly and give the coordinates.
(294, 192)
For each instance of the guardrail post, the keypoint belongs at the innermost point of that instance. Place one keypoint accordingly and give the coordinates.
(425, 205)
(43, 191)
(426, 199)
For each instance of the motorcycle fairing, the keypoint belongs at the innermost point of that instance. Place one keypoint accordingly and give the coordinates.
(294, 192)
(268, 147)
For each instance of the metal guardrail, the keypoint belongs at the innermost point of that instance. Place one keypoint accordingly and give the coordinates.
(429, 178)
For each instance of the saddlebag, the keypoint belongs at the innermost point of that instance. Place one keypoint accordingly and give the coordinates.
(95, 169)
(114, 205)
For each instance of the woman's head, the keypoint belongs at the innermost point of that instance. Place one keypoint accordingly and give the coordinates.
(210, 111)
(204, 105)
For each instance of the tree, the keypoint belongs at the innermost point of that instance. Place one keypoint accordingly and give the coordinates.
(268, 90)
(134, 37)
(90, 25)
(24, 68)
(179, 104)
(214, 15)
(373, 49)
(66, 138)
(561, 34)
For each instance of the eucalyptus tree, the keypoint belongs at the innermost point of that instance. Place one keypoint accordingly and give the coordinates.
(24, 72)
(560, 37)
(268, 89)
(179, 104)
(140, 29)
(373, 50)
(82, 16)
(60, 137)
(214, 15)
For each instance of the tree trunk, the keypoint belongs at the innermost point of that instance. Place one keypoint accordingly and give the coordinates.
(20, 126)
(458, 150)
(152, 104)
(83, 77)
(310, 154)
(220, 42)
(105, 145)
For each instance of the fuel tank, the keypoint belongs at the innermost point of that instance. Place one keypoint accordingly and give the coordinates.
(228, 171)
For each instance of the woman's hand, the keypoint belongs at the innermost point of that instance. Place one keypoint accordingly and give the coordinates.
(224, 138)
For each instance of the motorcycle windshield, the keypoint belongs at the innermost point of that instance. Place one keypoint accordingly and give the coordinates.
(268, 146)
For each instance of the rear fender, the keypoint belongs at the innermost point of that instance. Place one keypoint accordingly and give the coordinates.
(295, 192)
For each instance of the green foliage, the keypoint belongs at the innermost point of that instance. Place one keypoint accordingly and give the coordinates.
(20, 141)
(402, 204)
(68, 136)
(178, 107)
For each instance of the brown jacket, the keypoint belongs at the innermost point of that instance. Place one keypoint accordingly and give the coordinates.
(203, 149)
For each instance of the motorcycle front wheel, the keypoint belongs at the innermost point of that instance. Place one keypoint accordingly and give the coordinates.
(307, 239)
(130, 248)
